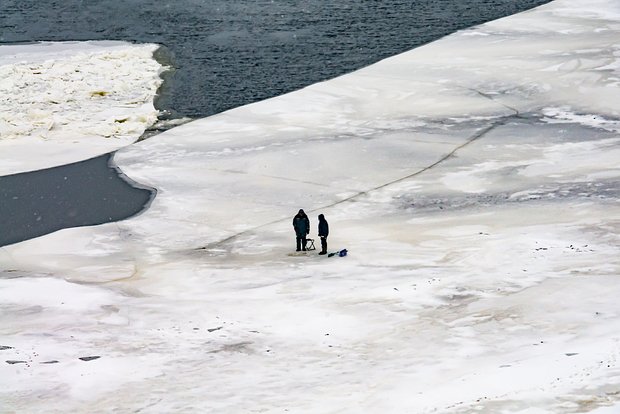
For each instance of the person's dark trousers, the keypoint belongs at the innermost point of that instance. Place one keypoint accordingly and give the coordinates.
(323, 245)
(301, 243)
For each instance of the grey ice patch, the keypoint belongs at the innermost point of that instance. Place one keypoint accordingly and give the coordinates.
(30, 310)
(602, 190)
(11, 274)
(242, 347)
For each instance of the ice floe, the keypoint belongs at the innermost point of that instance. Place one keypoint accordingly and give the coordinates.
(63, 102)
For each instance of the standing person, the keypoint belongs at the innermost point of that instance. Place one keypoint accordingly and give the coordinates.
(323, 233)
(301, 224)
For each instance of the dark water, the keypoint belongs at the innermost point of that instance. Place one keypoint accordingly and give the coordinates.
(233, 52)
(79, 194)
(226, 54)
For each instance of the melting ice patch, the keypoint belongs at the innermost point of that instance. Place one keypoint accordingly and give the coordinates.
(564, 115)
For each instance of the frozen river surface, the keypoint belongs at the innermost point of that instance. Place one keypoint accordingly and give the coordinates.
(474, 182)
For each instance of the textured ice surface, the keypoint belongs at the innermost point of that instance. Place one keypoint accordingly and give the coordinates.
(475, 183)
(70, 101)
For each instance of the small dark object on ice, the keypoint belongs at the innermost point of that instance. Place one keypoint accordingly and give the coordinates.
(4, 347)
(50, 362)
(12, 362)
(340, 253)
(89, 358)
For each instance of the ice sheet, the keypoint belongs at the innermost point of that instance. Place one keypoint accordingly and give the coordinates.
(475, 183)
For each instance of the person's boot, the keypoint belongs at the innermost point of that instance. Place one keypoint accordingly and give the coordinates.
(323, 252)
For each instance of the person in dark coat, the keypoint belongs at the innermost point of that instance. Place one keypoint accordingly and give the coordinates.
(323, 233)
(301, 224)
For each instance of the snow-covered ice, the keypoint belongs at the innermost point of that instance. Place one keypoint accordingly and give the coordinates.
(475, 183)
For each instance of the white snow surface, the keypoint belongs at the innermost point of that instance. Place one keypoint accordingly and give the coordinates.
(474, 182)
(62, 102)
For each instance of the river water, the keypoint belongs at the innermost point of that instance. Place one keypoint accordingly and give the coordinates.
(230, 53)
(225, 54)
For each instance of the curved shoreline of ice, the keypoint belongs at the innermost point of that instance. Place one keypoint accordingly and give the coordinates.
(63, 102)
(475, 182)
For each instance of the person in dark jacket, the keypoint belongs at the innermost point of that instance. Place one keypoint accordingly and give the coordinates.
(301, 224)
(323, 233)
